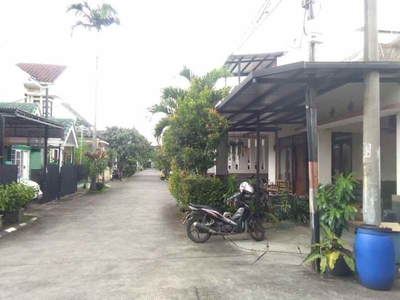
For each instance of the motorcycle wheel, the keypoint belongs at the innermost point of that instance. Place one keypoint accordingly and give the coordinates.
(255, 229)
(194, 233)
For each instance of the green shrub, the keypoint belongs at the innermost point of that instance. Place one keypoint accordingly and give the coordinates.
(3, 197)
(14, 196)
(196, 189)
(298, 211)
(174, 185)
(203, 190)
(99, 186)
(141, 168)
(129, 170)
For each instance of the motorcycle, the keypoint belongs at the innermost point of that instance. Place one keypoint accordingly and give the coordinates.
(204, 221)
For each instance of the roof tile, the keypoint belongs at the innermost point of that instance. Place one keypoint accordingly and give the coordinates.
(42, 72)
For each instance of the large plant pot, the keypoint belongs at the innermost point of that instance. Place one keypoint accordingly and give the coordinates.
(87, 185)
(14, 216)
(341, 269)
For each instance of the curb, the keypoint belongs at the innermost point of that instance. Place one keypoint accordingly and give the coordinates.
(19, 226)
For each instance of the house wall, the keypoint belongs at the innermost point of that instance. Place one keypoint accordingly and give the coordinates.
(324, 156)
(36, 159)
(271, 154)
(347, 101)
(388, 156)
(357, 155)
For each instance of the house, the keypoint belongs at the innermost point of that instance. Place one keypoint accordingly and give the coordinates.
(32, 82)
(17, 128)
(273, 100)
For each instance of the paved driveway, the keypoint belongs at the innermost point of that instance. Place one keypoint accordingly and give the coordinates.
(128, 243)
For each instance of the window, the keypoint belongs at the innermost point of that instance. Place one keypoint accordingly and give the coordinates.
(50, 108)
(341, 153)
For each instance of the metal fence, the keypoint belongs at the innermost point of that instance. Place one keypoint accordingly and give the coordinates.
(8, 174)
(69, 180)
(80, 173)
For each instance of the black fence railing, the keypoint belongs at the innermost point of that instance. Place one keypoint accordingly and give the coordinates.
(80, 173)
(8, 174)
(59, 183)
(69, 180)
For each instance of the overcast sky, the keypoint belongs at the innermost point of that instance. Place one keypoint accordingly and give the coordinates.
(157, 38)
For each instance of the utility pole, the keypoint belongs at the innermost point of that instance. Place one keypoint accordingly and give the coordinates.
(371, 121)
(312, 141)
(94, 148)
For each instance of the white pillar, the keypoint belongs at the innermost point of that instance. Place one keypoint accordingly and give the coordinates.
(271, 158)
(324, 156)
(222, 159)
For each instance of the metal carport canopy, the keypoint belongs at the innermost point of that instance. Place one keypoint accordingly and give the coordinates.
(22, 124)
(277, 95)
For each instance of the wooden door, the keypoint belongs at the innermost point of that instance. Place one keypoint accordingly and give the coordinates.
(299, 170)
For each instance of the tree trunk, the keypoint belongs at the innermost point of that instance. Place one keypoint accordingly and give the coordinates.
(93, 183)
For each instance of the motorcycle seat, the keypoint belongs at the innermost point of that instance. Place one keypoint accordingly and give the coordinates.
(218, 209)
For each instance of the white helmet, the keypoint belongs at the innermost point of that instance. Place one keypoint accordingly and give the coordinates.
(245, 187)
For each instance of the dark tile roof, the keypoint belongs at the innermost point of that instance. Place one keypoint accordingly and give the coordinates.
(42, 72)
(67, 123)
(31, 108)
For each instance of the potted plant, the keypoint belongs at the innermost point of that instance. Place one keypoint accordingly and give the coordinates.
(16, 196)
(335, 259)
(335, 212)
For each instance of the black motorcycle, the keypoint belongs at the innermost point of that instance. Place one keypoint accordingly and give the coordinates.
(204, 221)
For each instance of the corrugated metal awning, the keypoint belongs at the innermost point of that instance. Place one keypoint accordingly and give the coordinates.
(277, 95)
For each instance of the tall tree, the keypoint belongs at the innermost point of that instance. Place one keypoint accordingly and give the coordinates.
(96, 18)
(195, 128)
(131, 147)
(171, 95)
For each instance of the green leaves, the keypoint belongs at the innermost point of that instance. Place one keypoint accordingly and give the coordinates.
(191, 129)
(329, 250)
(349, 261)
(14, 196)
(94, 17)
(130, 147)
(334, 203)
(194, 134)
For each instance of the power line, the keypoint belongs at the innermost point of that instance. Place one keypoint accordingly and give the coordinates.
(255, 21)
(261, 19)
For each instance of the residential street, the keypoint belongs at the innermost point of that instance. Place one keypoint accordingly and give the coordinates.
(128, 243)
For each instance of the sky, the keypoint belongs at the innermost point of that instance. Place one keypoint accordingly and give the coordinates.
(157, 38)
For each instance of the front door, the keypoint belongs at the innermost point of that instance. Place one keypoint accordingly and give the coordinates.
(21, 159)
(299, 170)
(341, 153)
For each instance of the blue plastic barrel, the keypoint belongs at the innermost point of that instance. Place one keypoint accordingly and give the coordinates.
(375, 257)
(396, 242)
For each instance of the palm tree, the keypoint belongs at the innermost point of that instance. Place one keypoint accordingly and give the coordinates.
(170, 95)
(96, 18)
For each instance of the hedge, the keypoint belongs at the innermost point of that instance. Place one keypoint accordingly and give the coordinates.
(196, 189)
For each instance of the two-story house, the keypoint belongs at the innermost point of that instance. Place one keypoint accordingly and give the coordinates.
(24, 89)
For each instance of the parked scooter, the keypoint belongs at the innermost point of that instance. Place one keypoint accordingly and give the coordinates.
(204, 221)
(115, 175)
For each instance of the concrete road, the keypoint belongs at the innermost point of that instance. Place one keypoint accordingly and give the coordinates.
(128, 243)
